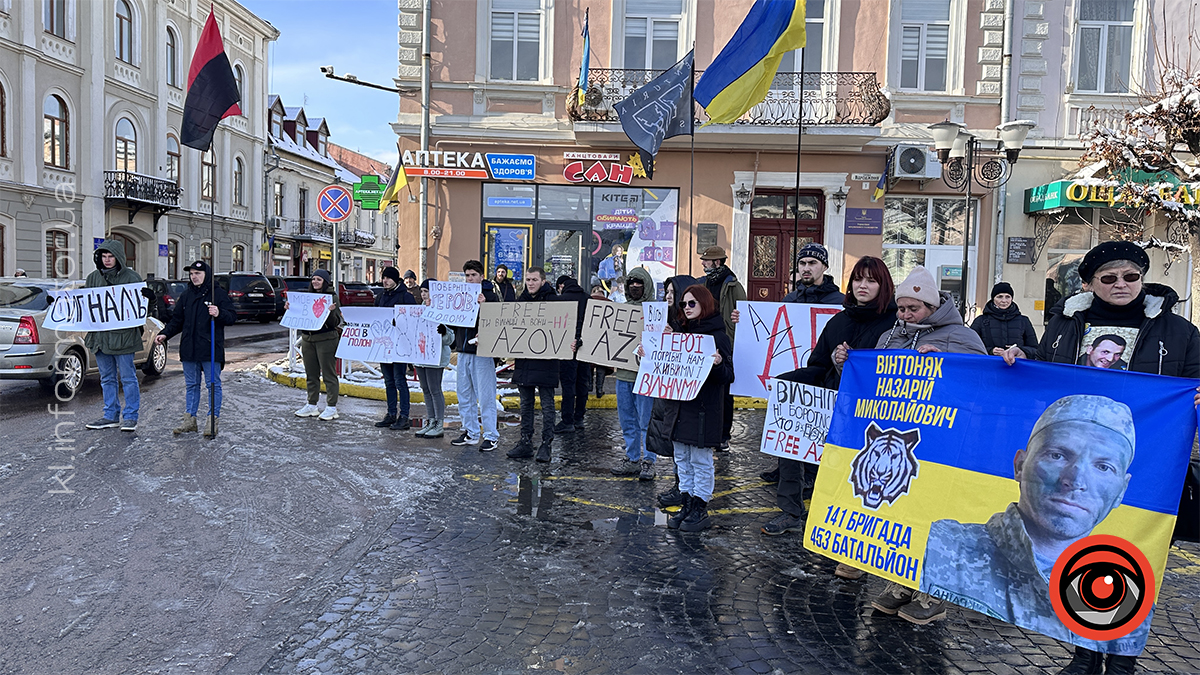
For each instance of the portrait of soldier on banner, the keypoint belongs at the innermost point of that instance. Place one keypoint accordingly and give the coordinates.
(1107, 347)
(1072, 474)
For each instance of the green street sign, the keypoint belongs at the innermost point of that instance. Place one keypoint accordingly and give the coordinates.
(368, 191)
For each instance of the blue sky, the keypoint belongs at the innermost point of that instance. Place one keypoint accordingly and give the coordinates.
(354, 36)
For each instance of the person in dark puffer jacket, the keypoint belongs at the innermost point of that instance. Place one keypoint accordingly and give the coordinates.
(1117, 298)
(1002, 325)
(395, 384)
(573, 373)
(535, 374)
(673, 289)
(695, 426)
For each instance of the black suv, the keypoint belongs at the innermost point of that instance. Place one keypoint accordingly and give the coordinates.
(166, 293)
(251, 293)
(280, 287)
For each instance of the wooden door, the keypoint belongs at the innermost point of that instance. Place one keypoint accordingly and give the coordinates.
(772, 244)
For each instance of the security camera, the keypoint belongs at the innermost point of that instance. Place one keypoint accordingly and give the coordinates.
(328, 70)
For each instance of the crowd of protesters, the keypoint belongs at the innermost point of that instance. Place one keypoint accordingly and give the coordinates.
(878, 313)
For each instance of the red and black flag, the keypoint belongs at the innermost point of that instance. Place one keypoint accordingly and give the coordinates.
(212, 93)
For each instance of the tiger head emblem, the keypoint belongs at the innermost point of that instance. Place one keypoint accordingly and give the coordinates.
(886, 466)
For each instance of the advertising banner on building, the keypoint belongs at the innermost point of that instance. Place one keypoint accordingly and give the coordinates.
(527, 330)
(97, 309)
(774, 338)
(1039, 494)
(634, 227)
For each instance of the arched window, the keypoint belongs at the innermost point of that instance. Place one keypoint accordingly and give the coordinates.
(173, 156)
(239, 259)
(130, 249)
(3, 124)
(58, 254)
(206, 254)
(55, 133)
(54, 17)
(172, 259)
(208, 176)
(172, 59)
(239, 76)
(126, 146)
(124, 32)
(239, 177)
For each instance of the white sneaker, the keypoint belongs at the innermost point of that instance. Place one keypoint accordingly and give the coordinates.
(329, 413)
(309, 410)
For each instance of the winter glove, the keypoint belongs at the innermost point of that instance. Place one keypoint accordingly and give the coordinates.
(441, 329)
(147, 293)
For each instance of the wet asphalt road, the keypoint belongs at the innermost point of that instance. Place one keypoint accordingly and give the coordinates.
(297, 546)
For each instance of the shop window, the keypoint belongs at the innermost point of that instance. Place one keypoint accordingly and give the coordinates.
(124, 32)
(1105, 50)
(58, 254)
(126, 148)
(172, 64)
(1075, 232)
(652, 34)
(54, 17)
(208, 176)
(238, 259)
(55, 133)
(516, 43)
(556, 202)
(509, 200)
(173, 159)
(926, 231)
(924, 44)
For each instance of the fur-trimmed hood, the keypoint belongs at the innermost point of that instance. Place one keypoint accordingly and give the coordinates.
(1158, 298)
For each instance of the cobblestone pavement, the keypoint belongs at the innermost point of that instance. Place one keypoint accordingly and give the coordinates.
(517, 567)
(298, 546)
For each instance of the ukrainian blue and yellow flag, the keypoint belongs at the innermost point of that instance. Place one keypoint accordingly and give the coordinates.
(587, 52)
(881, 186)
(740, 76)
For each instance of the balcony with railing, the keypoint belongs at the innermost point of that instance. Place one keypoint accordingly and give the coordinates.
(1083, 121)
(311, 230)
(794, 98)
(351, 237)
(138, 192)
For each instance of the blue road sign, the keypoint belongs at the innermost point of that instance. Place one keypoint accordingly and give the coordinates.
(335, 203)
(512, 167)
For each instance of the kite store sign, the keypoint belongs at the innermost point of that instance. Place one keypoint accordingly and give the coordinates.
(469, 164)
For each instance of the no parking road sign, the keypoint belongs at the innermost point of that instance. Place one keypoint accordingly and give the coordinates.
(335, 203)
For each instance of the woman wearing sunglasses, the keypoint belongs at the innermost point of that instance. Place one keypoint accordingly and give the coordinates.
(1115, 307)
(695, 426)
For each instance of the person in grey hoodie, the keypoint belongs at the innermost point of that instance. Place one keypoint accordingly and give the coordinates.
(927, 320)
(633, 410)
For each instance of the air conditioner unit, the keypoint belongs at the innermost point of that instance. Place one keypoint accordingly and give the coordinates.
(275, 222)
(915, 161)
(343, 257)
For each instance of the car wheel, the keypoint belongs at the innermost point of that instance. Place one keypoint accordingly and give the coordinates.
(67, 377)
(157, 363)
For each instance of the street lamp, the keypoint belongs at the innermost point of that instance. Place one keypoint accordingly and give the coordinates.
(958, 150)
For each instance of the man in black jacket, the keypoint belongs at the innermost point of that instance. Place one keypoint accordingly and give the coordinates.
(394, 382)
(573, 374)
(194, 311)
(540, 374)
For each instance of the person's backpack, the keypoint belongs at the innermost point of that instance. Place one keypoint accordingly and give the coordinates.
(1187, 523)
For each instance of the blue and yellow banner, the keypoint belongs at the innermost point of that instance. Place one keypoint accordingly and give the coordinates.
(995, 487)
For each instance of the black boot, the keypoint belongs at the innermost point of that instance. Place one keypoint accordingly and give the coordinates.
(1085, 662)
(1119, 665)
(387, 421)
(543, 453)
(671, 497)
(697, 518)
(523, 450)
(674, 521)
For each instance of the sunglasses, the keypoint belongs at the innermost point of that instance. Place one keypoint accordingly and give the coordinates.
(1129, 277)
(688, 303)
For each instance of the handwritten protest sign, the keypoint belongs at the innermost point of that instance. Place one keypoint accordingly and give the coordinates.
(675, 365)
(306, 311)
(527, 330)
(797, 420)
(389, 335)
(97, 309)
(953, 474)
(773, 338)
(611, 333)
(453, 303)
(654, 316)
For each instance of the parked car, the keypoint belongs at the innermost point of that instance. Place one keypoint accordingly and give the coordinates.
(353, 293)
(280, 288)
(165, 294)
(251, 293)
(57, 359)
(375, 290)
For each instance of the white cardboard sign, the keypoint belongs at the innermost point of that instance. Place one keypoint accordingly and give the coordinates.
(306, 311)
(774, 338)
(453, 303)
(97, 309)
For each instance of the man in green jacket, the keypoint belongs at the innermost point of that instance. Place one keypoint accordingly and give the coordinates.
(114, 349)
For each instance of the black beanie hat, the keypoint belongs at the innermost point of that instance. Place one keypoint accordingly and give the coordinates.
(391, 273)
(1108, 252)
(1002, 287)
(425, 284)
(564, 279)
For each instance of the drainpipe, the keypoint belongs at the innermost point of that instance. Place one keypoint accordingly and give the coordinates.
(1005, 102)
(425, 75)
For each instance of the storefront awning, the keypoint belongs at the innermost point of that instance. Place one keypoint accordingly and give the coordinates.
(1090, 193)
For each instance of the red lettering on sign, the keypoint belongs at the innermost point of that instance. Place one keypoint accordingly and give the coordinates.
(620, 173)
(596, 173)
(572, 171)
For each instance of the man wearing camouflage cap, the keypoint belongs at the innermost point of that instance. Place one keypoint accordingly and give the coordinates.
(1072, 474)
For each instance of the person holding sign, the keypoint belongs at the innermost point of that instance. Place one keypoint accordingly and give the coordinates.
(573, 373)
(394, 381)
(673, 289)
(430, 378)
(193, 312)
(318, 348)
(476, 376)
(870, 312)
(114, 349)
(695, 426)
(539, 374)
(725, 287)
(633, 410)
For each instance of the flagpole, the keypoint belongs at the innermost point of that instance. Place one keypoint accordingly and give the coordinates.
(799, 146)
(212, 321)
(692, 171)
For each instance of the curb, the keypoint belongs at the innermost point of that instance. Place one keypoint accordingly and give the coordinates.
(257, 337)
